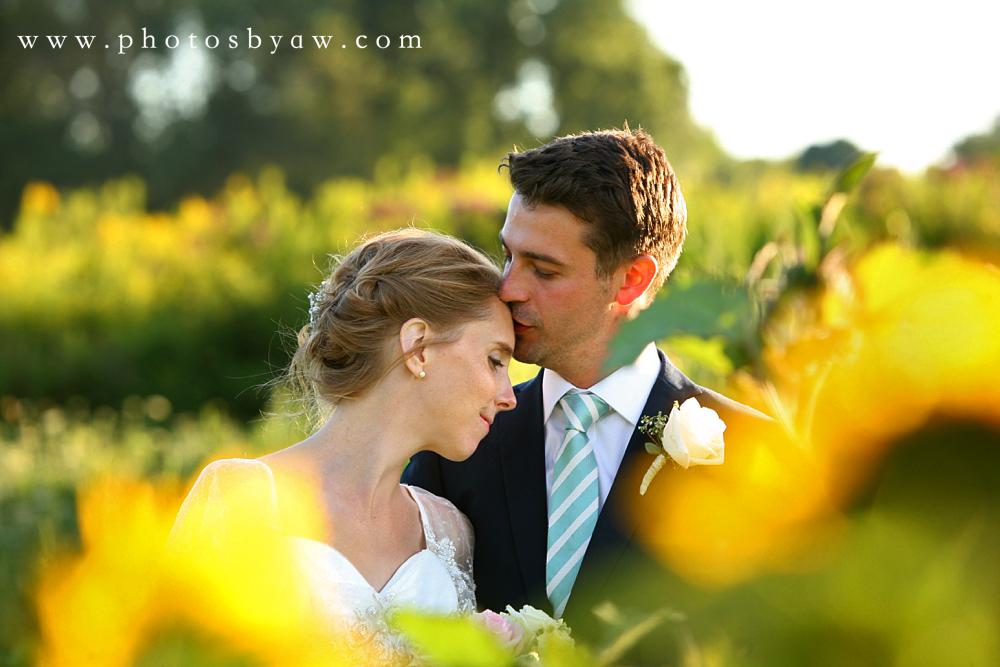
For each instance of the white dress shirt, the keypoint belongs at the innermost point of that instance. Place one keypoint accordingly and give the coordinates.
(626, 391)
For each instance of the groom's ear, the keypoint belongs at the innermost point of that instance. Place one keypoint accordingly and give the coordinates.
(413, 339)
(635, 279)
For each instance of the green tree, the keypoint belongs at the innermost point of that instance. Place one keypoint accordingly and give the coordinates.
(980, 148)
(483, 77)
(834, 155)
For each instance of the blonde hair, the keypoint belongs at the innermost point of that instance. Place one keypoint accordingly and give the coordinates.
(371, 292)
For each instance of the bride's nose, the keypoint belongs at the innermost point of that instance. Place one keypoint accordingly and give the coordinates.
(505, 399)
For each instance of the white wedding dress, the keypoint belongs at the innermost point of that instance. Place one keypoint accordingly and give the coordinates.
(437, 579)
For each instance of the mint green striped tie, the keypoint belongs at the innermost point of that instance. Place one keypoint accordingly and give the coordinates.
(575, 498)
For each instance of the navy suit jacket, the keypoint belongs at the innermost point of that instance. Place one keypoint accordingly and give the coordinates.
(501, 488)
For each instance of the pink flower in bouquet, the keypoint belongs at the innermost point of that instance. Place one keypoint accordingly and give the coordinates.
(510, 635)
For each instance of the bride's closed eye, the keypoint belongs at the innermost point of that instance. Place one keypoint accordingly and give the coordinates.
(496, 363)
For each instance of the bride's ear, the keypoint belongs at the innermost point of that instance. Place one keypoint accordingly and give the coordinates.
(413, 335)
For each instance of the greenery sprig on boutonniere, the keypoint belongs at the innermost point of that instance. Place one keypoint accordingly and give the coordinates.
(689, 434)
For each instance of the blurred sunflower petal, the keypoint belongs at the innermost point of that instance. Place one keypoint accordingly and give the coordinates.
(913, 338)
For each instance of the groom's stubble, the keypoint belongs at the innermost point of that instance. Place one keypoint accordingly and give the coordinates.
(568, 339)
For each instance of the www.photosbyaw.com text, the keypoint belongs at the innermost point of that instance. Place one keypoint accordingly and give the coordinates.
(252, 41)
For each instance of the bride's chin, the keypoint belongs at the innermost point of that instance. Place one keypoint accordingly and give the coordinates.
(460, 453)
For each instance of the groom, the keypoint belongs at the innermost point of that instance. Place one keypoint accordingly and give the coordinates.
(594, 227)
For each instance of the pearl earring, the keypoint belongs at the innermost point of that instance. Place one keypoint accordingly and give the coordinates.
(422, 374)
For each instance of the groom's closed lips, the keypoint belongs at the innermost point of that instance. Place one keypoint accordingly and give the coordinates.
(519, 326)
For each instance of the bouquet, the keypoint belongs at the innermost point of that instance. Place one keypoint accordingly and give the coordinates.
(522, 633)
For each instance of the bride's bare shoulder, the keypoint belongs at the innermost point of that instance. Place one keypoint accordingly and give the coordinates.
(295, 460)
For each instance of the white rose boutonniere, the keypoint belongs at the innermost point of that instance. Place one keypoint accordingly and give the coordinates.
(690, 435)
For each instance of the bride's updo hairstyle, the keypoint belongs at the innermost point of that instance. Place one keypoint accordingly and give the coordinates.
(371, 292)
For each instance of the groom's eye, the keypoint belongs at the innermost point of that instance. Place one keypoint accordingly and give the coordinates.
(542, 274)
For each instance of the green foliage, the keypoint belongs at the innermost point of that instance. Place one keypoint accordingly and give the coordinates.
(854, 173)
(701, 309)
(103, 299)
(735, 210)
(628, 630)
(808, 261)
(450, 641)
(185, 648)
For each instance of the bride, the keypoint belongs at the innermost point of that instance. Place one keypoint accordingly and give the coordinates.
(406, 350)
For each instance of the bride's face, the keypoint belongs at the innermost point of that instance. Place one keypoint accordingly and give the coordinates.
(467, 383)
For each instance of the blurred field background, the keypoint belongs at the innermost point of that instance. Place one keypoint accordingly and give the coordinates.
(164, 214)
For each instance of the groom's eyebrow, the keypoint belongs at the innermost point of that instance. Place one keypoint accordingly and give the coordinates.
(537, 256)
(540, 257)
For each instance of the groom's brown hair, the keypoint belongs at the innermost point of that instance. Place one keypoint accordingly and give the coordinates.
(619, 184)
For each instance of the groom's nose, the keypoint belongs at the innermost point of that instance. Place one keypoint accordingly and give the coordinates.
(513, 287)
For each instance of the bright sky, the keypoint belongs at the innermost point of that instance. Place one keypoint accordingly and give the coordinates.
(771, 77)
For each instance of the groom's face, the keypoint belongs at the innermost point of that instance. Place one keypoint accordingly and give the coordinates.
(563, 313)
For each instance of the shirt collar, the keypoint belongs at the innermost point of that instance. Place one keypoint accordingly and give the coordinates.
(625, 390)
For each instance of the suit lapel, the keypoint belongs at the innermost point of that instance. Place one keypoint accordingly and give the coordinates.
(523, 461)
(619, 518)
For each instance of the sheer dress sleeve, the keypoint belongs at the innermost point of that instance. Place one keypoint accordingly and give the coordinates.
(450, 536)
(232, 505)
